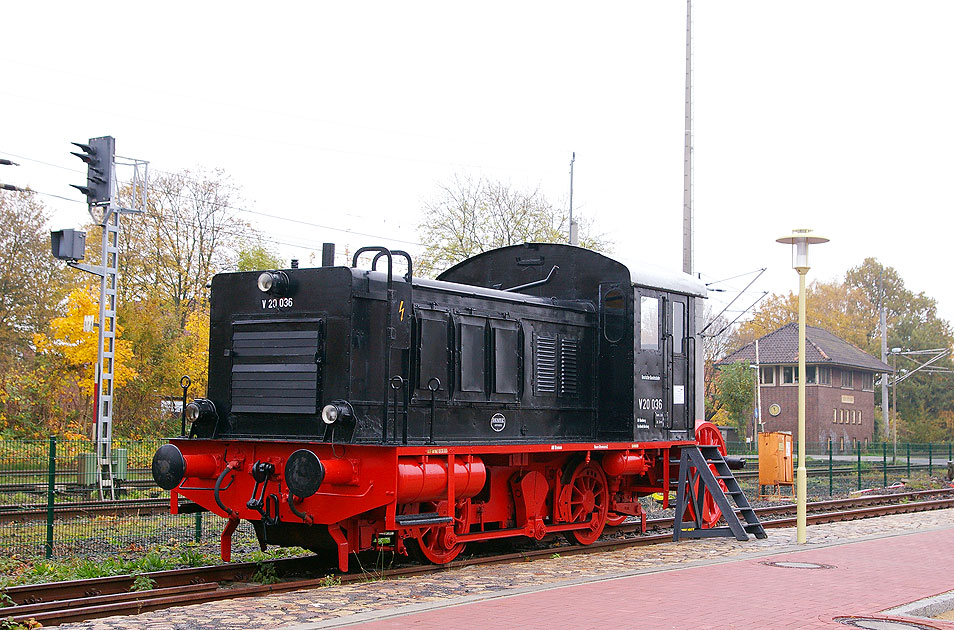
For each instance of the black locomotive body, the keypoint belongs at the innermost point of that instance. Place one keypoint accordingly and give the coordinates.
(587, 355)
(346, 403)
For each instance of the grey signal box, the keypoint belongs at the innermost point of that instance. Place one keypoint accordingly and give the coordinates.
(68, 244)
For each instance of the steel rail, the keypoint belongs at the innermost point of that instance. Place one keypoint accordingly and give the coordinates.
(822, 471)
(62, 602)
(142, 507)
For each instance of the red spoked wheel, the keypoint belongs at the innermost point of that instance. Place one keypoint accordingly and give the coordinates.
(585, 499)
(707, 434)
(435, 544)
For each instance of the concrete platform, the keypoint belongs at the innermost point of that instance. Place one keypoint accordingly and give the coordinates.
(870, 568)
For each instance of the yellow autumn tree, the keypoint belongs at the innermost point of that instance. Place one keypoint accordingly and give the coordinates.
(75, 349)
(840, 309)
(195, 355)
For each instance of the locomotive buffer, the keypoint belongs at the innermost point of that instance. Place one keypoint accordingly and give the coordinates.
(706, 482)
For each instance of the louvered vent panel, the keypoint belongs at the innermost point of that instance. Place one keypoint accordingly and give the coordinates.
(569, 373)
(545, 364)
(274, 368)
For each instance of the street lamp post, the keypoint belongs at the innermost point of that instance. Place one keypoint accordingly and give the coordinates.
(800, 240)
(894, 400)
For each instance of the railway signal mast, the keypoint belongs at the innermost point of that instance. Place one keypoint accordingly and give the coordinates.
(101, 194)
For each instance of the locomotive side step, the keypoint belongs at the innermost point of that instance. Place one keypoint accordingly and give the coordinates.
(424, 518)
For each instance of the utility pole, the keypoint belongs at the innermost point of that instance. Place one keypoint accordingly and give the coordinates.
(758, 394)
(574, 228)
(884, 357)
(100, 190)
(688, 246)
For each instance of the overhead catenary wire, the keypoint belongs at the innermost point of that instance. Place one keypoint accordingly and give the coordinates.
(284, 142)
(751, 282)
(264, 214)
(229, 206)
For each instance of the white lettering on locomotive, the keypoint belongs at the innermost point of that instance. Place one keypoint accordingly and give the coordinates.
(285, 302)
(651, 404)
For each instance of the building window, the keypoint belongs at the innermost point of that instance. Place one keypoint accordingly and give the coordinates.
(846, 378)
(844, 416)
(790, 374)
(768, 375)
(811, 373)
(859, 422)
(834, 416)
(824, 375)
(867, 381)
(854, 417)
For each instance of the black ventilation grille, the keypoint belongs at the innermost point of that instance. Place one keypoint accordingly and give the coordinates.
(545, 364)
(275, 367)
(569, 373)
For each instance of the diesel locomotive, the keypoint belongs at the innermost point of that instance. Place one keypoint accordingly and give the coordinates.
(529, 390)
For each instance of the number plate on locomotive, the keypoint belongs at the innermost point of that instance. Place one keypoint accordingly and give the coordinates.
(284, 302)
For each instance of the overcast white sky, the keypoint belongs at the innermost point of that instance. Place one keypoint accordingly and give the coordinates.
(833, 115)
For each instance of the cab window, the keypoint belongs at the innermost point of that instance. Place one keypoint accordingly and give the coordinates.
(648, 323)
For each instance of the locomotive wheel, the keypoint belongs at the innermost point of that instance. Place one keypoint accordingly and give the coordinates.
(585, 499)
(707, 434)
(430, 544)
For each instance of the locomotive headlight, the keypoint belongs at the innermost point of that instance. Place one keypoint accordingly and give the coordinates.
(273, 282)
(330, 414)
(201, 410)
(335, 411)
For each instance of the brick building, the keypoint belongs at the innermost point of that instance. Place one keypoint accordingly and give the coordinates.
(839, 389)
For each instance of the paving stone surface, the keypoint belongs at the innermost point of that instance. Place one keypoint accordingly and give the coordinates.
(356, 603)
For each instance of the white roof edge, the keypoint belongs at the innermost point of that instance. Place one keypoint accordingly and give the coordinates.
(656, 277)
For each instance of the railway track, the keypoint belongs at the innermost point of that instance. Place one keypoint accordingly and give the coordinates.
(77, 600)
(89, 509)
(846, 470)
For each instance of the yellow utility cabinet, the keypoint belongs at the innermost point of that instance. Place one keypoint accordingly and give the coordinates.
(776, 465)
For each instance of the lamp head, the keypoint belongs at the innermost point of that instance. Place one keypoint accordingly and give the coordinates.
(800, 240)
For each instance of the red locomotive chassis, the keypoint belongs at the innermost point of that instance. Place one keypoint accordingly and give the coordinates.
(401, 498)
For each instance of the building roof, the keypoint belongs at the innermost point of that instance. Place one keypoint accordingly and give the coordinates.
(821, 347)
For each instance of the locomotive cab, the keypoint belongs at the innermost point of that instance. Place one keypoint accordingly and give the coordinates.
(645, 344)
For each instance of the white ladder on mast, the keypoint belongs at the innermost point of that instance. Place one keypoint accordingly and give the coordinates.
(107, 352)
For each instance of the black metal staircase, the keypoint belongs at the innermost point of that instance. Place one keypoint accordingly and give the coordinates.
(694, 463)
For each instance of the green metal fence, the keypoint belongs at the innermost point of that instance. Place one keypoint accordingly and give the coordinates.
(49, 499)
(864, 466)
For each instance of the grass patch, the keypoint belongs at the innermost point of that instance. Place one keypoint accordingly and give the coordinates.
(266, 574)
(143, 583)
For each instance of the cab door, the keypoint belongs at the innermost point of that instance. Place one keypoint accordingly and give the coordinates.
(677, 357)
(651, 379)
